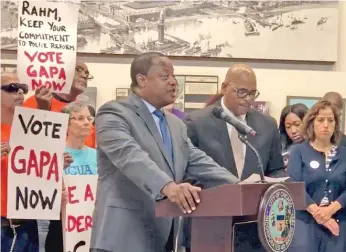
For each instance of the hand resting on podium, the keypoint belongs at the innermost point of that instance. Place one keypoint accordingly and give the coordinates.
(184, 195)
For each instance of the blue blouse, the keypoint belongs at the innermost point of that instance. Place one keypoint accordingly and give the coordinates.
(309, 165)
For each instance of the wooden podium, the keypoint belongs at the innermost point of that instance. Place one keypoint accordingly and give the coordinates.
(212, 222)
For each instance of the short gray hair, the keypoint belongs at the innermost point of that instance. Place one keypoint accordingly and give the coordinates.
(79, 104)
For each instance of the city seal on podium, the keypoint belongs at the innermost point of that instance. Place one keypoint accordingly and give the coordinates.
(276, 218)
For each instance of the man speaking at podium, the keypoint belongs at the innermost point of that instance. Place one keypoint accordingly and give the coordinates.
(220, 140)
(143, 156)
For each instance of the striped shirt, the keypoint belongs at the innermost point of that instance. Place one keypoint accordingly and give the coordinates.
(329, 157)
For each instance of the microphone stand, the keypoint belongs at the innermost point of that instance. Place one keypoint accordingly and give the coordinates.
(244, 140)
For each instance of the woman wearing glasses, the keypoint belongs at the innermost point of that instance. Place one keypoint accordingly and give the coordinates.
(84, 159)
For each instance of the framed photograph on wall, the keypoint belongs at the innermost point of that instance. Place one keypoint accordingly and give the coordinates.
(261, 106)
(122, 93)
(310, 101)
(91, 93)
(255, 29)
(11, 68)
(193, 91)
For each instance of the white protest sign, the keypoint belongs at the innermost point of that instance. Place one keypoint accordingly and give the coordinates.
(47, 44)
(81, 191)
(35, 164)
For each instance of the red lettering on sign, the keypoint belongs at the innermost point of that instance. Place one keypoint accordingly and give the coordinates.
(79, 223)
(44, 57)
(70, 190)
(50, 72)
(88, 193)
(38, 162)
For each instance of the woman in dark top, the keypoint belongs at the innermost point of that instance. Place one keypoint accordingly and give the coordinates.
(321, 163)
(289, 127)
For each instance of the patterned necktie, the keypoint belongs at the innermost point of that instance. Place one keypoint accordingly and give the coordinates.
(237, 147)
(167, 141)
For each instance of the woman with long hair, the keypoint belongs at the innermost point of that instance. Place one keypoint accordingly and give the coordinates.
(289, 127)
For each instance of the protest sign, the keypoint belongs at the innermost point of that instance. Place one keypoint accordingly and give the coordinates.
(47, 44)
(81, 190)
(35, 165)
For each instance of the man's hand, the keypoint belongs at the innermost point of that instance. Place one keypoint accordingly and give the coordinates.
(184, 195)
(43, 98)
(5, 149)
(323, 214)
(332, 226)
(67, 160)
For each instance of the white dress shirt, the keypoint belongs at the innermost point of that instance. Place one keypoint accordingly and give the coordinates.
(229, 126)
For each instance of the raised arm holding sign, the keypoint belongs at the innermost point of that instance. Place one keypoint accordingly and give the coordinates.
(47, 44)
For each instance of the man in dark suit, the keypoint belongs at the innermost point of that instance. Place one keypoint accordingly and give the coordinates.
(144, 155)
(220, 140)
(336, 99)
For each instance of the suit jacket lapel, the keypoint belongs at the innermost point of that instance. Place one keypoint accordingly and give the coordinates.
(223, 136)
(176, 146)
(144, 113)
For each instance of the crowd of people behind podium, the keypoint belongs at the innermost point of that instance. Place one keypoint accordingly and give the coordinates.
(306, 144)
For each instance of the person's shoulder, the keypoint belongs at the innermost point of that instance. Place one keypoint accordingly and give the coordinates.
(342, 140)
(342, 150)
(199, 115)
(264, 117)
(91, 154)
(114, 106)
(303, 147)
(30, 102)
(90, 150)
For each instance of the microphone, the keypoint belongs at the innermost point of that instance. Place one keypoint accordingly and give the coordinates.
(243, 130)
(241, 127)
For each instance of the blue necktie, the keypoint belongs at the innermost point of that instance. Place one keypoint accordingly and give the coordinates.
(167, 141)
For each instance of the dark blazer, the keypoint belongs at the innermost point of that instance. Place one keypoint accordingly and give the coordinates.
(342, 139)
(308, 165)
(210, 134)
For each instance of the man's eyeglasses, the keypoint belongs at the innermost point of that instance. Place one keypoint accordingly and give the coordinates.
(83, 118)
(242, 93)
(80, 70)
(14, 88)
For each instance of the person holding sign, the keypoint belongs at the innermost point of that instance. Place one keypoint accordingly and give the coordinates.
(144, 154)
(45, 99)
(84, 157)
(12, 95)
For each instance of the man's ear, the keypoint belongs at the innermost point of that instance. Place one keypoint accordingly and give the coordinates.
(141, 80)
(224, 86)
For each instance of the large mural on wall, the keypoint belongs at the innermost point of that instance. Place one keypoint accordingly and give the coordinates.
(281, 30)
